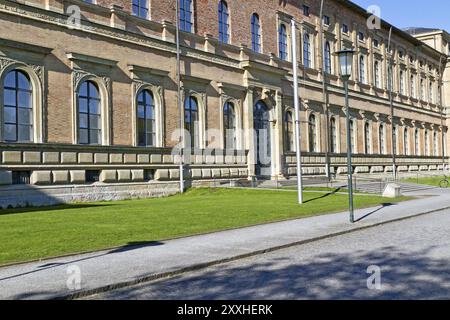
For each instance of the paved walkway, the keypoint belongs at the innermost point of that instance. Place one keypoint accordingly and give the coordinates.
(56, 278)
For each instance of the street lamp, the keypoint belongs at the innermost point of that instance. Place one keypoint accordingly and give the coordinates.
(345, 67)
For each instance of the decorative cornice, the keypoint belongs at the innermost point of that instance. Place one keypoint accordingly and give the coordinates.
(77, 57)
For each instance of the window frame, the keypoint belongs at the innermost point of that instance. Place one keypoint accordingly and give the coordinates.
(256, 33)
(186, 18)
(17, 107)
(224, 22)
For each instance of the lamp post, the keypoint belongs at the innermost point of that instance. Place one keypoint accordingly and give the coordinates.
(297, 112)
(345, 67)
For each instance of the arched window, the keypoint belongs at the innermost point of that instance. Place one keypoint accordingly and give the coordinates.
(186, 15)
(306, 51)
(390, 80)
(362, 69)
(402, 82)
(394, 137)
(334, 135)
(377, 74)
(283, 42)
(89, 114)
(191, 124)
(327, 58)
(381, 139)
(312, 125)
(17, 107)
(431, 93)
(422, 89)
(256, 33)
(352, 135)
(436, 144)
(427, 143)
(146, 119)
(229, 126)
(289, 135)
(416, 142)
(367, 138)
(224, 22)
(405, 142)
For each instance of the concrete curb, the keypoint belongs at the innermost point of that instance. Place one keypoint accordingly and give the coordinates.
(201, 266)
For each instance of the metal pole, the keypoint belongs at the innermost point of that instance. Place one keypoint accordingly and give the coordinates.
(349, 155)
(297, 112)
(391, 104)
(325, 96)
(180, 109)
(441, 108)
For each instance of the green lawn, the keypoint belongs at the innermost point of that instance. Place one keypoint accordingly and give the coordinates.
(429, 181)
(30, 234)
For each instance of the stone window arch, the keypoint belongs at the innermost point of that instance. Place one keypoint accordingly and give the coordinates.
(334, 135)
(149, 97)
(289, 131)
(103, 112)
(229, 125)
(312, 133)
(194, 119)
(27, 101)
(367, 138)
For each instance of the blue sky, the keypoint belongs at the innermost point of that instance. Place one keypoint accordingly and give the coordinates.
(413, 13)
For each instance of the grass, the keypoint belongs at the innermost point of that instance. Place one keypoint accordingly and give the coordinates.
(37, 233)
(429, 181)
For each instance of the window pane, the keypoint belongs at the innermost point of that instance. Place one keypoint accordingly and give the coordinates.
(83, 89)
(141, 132)
(94, 136)
(94, 122)
(94, 107)
(93, 91)
(83, 136)
(82, 105)
(150, 125)
(24, 133)
(10, 115)
(9, 97)
(25, 116)
(10, 132)
(149, 112)
(83, 118)
(141, 97)
(24, 99)
(10, 80)
(141, 112)
(23, 81)
(150, 139)
(135, 10)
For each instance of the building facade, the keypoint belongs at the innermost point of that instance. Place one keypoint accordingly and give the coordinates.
(88, 95)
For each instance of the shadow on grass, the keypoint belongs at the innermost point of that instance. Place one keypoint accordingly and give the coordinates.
(324, 196)
(126, 248)
(4, 212)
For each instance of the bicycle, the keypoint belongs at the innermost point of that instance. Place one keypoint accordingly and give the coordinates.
(444, 183)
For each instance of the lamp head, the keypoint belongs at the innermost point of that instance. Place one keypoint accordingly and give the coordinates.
(345, 62)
